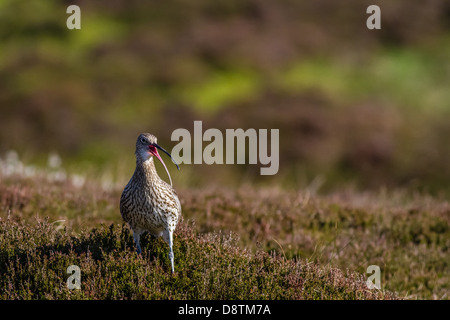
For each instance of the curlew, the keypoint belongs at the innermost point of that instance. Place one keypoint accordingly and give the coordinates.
(148, 203)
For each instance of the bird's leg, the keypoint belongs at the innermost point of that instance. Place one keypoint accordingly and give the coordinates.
(171, 259)
(168, 237)
(136, 236)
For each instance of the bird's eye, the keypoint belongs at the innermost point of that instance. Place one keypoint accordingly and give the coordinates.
(143, 140)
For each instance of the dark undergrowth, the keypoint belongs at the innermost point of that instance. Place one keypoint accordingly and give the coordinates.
(34, 261)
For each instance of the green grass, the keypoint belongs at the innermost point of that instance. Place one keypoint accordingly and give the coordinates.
(409, 77)
(222, 89)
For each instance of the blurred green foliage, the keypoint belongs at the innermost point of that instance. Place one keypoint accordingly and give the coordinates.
(352, 105)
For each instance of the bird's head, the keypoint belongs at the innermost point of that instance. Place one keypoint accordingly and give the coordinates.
(147, 146)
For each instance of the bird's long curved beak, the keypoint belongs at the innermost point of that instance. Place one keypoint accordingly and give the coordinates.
(156, 154)
(173, 160)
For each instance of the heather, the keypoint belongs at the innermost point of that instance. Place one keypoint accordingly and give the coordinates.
(363, 119)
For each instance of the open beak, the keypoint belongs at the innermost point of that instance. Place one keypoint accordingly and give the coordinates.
(156, 154)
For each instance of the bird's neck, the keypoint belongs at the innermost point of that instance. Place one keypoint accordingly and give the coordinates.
(146, 171)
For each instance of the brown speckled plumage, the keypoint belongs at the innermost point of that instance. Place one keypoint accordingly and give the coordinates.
(148, 203)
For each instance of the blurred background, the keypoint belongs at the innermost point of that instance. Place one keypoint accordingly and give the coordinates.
(355, 107)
